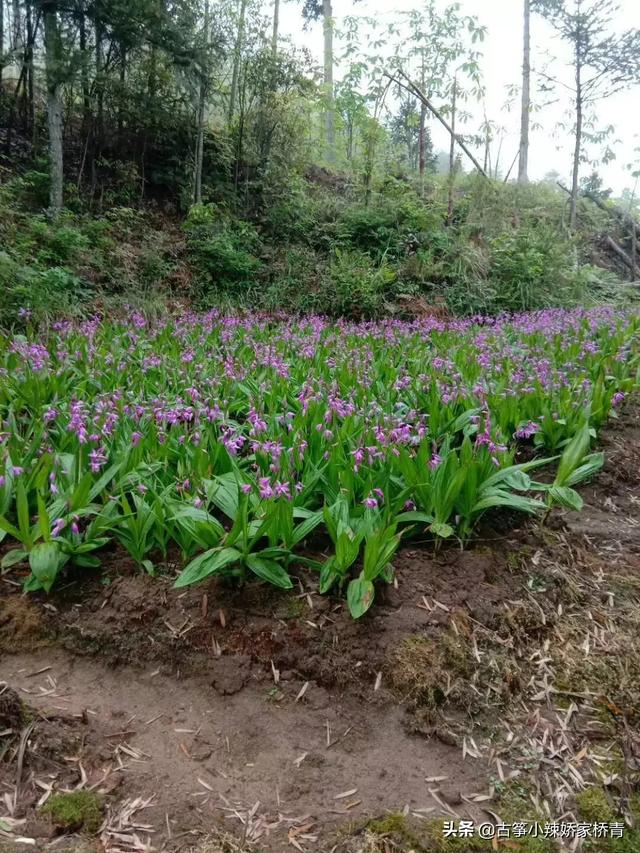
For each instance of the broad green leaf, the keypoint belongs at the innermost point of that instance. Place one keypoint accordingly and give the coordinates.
(566, 497)
(45, 561)
(591, 465)
(224, 494)
(207, 564)
(86, 562)
(439, 528)
(12, 558)
(269, 570)
(360, 596)
(519, 503)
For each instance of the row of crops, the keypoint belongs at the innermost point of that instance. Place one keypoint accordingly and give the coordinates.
(237, 439)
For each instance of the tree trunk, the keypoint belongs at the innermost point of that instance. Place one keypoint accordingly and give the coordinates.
(452, 152)
(99, 80)
(31, 75)
(84, 75)
(16, 40)
(330, 133)
(422, 132)
(54, 103)
(573, 217)
(202, 103)
(276, 28)
(237, 58)
(1, 41)
(123, 83)
(523, 168)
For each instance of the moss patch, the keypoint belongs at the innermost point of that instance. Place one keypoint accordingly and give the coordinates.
(79, 811)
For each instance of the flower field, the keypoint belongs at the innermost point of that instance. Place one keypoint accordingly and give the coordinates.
(236, 439)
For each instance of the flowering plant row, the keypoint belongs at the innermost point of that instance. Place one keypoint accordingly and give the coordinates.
(237, 438)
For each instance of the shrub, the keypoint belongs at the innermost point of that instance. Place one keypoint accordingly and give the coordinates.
(222, 249)
(28, 292)
(356, 287)
(531, 269)
(386, 229)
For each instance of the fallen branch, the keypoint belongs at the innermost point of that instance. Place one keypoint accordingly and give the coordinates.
(620, 252)
(415, 90)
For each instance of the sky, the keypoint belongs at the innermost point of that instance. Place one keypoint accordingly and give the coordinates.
(502, 66)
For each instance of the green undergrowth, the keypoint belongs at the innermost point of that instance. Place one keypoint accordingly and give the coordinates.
(314, 251)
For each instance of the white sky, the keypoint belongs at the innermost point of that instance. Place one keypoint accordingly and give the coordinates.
(501, 66)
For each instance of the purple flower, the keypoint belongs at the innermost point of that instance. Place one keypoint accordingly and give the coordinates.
(527, 430)
(265, 489)
(58, 526)
(370, 503)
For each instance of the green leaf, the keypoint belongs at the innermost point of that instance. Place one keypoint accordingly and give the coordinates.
(46, 561)
(566, 497)
(301, 531)
(497, 497)
(439, 528)
(573, 455)
(360, 596)
(591, 465)
(100, 485)
(149, 568)
(43, 520)
(347, 550)
(224, 494)
(86, 562)
(12, 558)
(328, 575)
(23, 515)
(419, 517)
(207, 564)
(505, 473)
(269, 571)
(10, 529)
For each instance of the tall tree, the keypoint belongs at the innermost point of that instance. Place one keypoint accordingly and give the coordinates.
(604, 62)
(312, 11)
(276, 27)
(204, 73)
(523, 167)
(330, 132)
(237, 58)
(53, 60)
(1, 41)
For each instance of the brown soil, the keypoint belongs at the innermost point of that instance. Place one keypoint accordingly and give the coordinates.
(250, 711)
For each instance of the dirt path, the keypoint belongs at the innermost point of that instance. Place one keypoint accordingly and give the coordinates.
(201, 756)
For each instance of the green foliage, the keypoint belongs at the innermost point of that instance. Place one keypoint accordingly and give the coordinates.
(223, 250)
(531, 269)
(355, 287)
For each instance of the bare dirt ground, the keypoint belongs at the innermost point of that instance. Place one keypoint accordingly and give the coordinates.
(500, 682)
